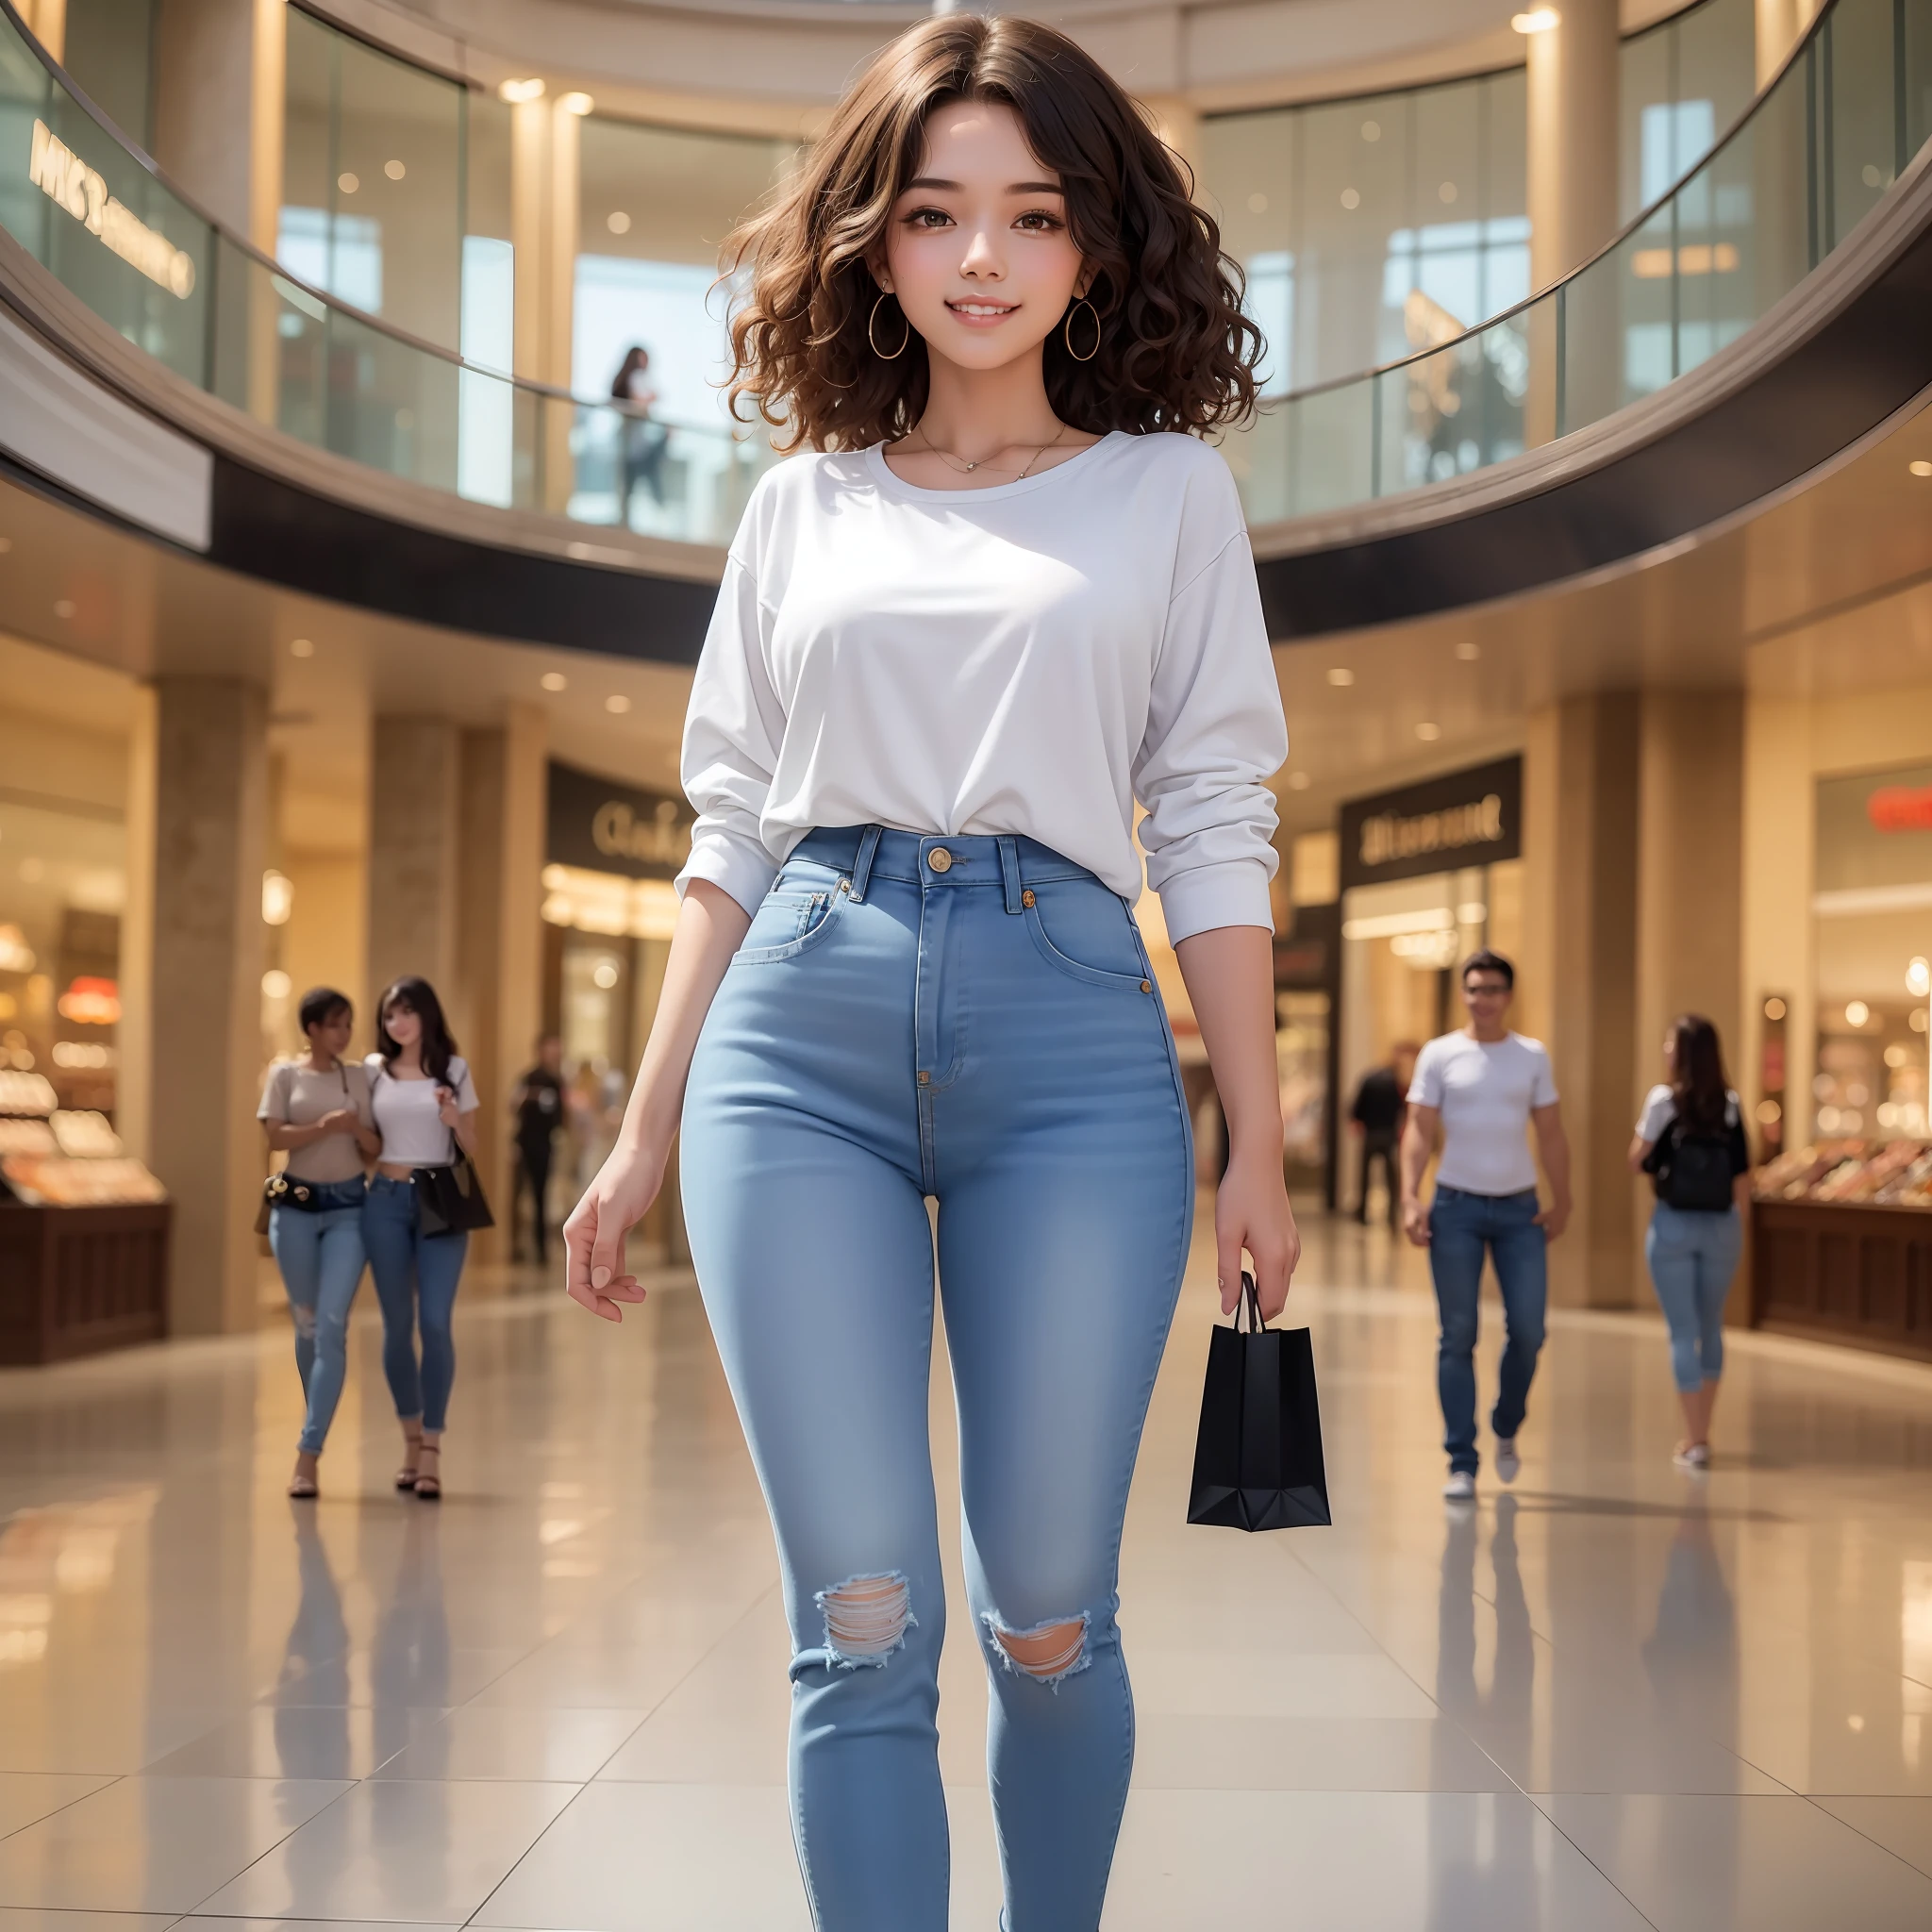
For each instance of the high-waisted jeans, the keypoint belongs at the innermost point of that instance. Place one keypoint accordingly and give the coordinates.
(416, 1280)
(320, 1254)
(973, 1020)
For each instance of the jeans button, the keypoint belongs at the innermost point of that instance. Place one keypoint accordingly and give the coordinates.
(939, 859)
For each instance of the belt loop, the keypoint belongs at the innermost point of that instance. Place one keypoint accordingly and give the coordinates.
(1009, 870)
(862, 866)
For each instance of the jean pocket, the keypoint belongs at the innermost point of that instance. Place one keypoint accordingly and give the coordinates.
(1091, 940)
(791, 921)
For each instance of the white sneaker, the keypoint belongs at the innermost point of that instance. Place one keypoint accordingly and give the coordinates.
(1460, 1488)
(1509, 1464)
(1696, 1457)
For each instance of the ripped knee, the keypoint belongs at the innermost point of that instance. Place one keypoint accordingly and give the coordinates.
(1049, 1652)
(866, 1618)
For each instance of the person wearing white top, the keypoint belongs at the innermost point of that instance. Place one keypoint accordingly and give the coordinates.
(1006, 598)
(425, 1104)
(1485, 1088)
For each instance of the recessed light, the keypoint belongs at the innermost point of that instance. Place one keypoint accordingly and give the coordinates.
(617, 222)
(1469, 650)
(617, 704)
(65, 607)
(1539, 20)
(348, 183)
(1428, 733)
(553, 680)
(1351, 198)
(515, 91)
(578, 103)
(302, 647)
(6, 544)
(1257, 204)
(1297, 781)
(1340, 675)
(1371, 130)
(1447, 193)
(394, 170)
(1919, 468)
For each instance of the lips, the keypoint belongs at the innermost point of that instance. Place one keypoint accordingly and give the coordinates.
(983, 311)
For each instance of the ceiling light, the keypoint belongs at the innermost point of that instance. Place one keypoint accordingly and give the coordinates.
(515, 91)
(1371, 130)
(1428, 733)
(553, 680)
(1919, 468)
(6, 544)
(617, 222)
(1257, 204)
(348, 183)
(1351, 198)
(1297, 781)
(575, 102)
(1469, 650)
(1340, 674)
(394, 170)
(1447, 193)
(1539, 20)
(617, 704)
(65, 607)
(302, 647)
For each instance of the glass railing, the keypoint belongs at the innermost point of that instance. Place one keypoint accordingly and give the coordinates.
(1813, 157)
(226, 318)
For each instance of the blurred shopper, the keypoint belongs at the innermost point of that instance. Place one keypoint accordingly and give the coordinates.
(316, 1110)
(1690, 1141)
(642, 443)
(944, 656)
(425, 1104)
(1485, 1087)
(538, 1107)
(1380, 1102)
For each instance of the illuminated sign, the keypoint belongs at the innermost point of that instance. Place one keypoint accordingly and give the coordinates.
(68, 181)
(1468, 818)
(598, 824)
(1900, 808)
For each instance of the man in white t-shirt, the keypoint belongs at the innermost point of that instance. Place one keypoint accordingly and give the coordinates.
(1485, 1087)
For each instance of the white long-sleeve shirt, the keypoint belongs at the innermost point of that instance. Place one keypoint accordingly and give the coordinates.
(1030, 658)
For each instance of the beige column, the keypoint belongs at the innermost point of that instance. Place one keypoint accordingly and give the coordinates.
(1581, 785)
(529, 216)
(46, 20)
(1780, 25)
(134, 1037)
(210, 763)
(496, 997)
(1572, 163)
(414, 819)
(545, 142)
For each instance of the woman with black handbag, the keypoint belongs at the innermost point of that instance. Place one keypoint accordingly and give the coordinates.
(1691, 1142)
(1005, 597)
(425, 1110)
(316, 1110)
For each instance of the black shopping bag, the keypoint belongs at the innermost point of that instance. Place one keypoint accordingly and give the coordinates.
(1257, 1460)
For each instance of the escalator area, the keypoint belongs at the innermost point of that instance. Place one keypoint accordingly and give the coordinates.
(1764, 319)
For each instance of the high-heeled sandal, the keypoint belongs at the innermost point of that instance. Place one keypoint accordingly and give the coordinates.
(304, 1487)
(429, 1483)
(405, 1476)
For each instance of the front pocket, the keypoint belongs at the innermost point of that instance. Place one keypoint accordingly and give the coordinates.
(1137, 981)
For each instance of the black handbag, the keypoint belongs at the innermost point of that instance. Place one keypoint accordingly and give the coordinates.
(449, 1200)
(1257, 1458)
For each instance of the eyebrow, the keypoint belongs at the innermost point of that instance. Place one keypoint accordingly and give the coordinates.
(1014, 188)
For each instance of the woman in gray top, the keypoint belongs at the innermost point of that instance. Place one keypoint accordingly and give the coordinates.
(316, 1109)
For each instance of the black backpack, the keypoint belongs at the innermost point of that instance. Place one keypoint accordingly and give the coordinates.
(1693, 1172)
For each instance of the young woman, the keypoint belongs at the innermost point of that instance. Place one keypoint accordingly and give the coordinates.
(1691, 1140)
(424, 1106)
(1009, 594)
(316, 1110)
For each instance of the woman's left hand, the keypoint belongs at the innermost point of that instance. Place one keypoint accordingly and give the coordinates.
(447, 1113)
(1252, 1211)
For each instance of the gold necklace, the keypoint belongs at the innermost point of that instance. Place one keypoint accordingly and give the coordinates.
(966, 469)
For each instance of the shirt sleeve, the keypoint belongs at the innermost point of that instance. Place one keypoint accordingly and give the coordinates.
(1655, 1117)
(464, 1087)
(1425, 1087)
(274, 1096)
(1544, 1091)
(732, 733)
(1215, 734)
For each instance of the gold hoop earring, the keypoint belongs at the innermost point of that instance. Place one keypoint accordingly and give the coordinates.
(871, 326)
(1067, 331)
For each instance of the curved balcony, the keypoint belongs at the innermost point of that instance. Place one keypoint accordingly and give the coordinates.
(1763, 316)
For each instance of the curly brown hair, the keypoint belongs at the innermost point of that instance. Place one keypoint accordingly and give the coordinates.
(1175, 351)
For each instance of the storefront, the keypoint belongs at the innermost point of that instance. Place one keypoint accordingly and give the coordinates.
(1427, 874)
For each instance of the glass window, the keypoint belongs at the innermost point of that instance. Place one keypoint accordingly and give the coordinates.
(1684, 82)
(110, 55)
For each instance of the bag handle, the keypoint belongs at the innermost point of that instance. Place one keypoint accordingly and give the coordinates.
(1251, 1299)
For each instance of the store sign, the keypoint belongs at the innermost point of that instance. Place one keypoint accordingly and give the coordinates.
(67, 181)
(1874, 836)
(605, 827)
(1468, 818)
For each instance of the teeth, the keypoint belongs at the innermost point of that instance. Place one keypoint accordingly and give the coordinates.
(982, 309)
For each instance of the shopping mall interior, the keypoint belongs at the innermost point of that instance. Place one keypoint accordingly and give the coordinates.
(350, 590)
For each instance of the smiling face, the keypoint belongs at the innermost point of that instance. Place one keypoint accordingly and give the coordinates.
(404, 1024)
(329, 1038)
(978, 248)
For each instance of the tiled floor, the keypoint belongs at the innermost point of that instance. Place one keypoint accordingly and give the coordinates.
(1612, 1697)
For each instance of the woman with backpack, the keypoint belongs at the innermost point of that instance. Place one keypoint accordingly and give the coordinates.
(1691, 1142)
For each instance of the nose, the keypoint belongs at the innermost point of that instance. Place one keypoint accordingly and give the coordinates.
(983, 261)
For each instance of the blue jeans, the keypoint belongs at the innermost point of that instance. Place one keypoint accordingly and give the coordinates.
(1461, 1228)
(987, 1035)
(416, 1277)
(1692, 1257)
(320, 1254)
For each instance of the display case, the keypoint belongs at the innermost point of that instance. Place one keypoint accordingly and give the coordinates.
(83, 1231)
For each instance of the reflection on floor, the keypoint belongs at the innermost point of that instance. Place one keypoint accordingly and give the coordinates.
(1614, 1696)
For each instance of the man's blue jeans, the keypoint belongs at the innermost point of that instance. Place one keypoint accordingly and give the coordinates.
(971, 1022)
(1462, 1228)
(320, 1254)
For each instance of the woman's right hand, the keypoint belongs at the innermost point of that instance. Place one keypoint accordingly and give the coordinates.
(341, 1120)
(612, 1205)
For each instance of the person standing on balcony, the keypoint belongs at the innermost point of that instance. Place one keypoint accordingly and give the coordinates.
(1007, 595)
(1485, 1088)
(642, 443)
(316, 1109)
